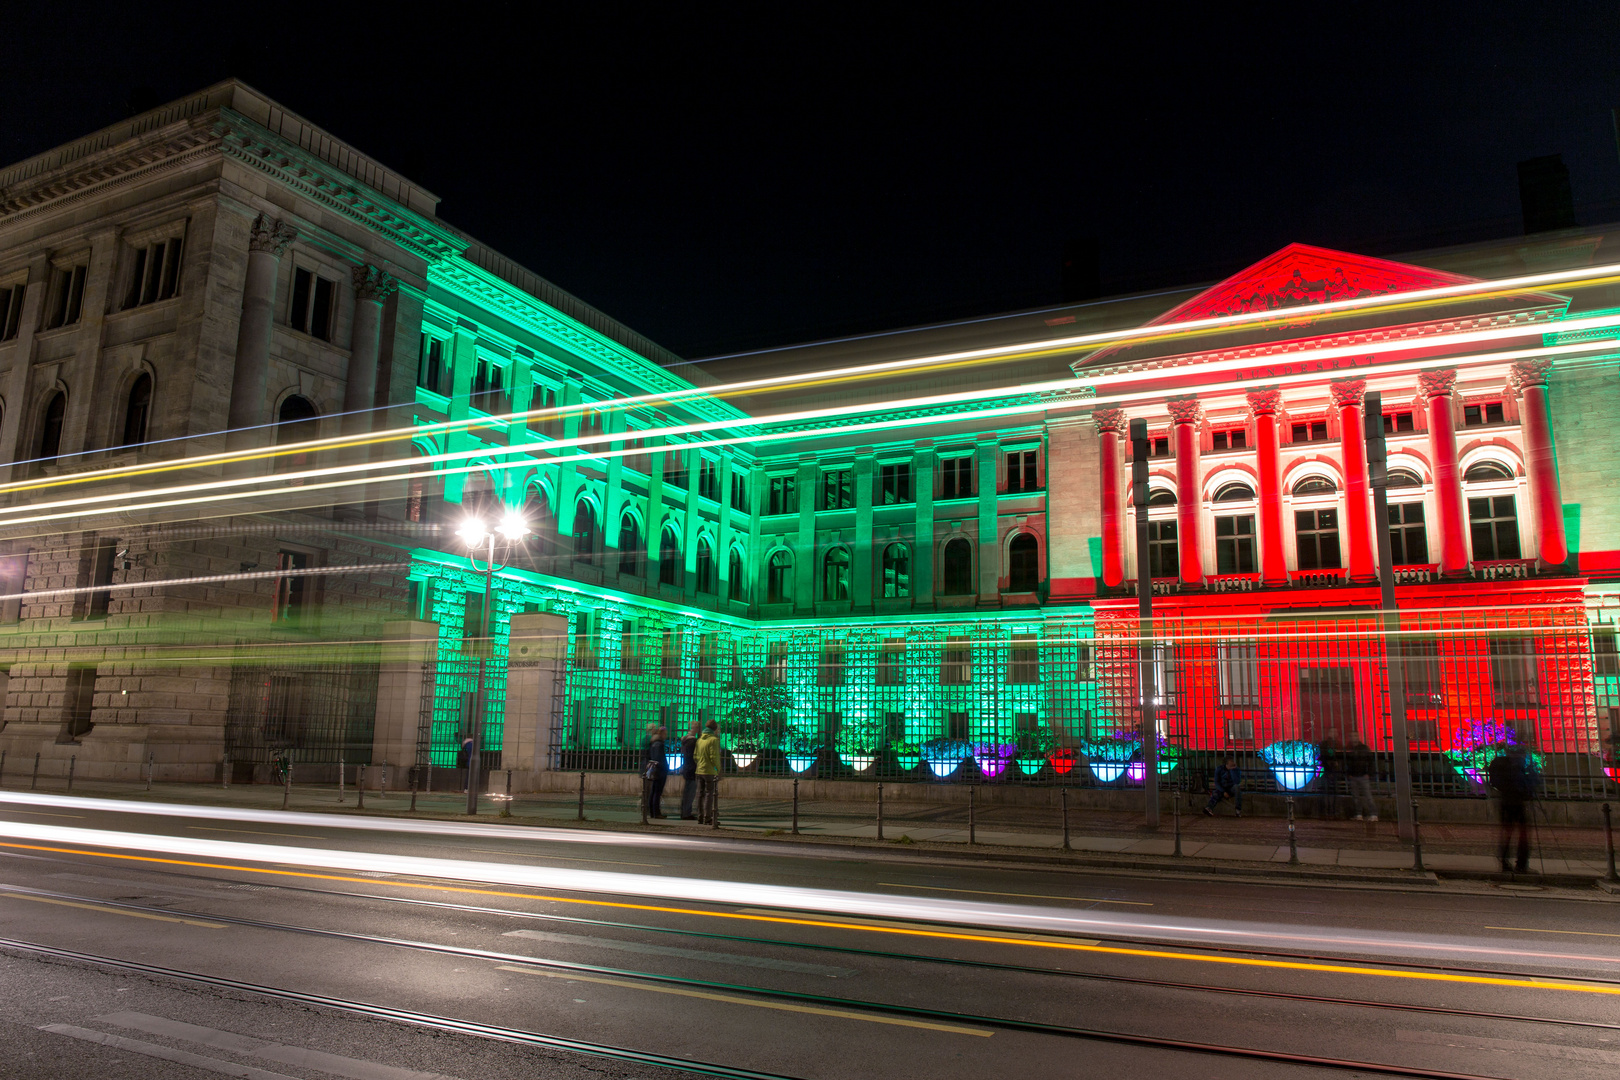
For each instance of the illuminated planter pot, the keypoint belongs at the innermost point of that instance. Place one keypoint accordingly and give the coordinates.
(943, 769)
(1293, 762)
(1294, 777)
(859, 762)
(944, 756)
(1062, 761)
(1613, 772)
(993, 760)
(1031, 766)
(674, 761)
(800, 762)
(908, 761)
(742, 761)
(1107, 771)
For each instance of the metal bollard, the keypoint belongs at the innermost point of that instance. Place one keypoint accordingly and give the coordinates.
(2, 767)
(1417, 841)
(286, 790)
(360, 787)
(415, 779)
(430, 778)
(582, 796)
(342, 767)
(714, 801)
(1065, 794)
(646, 797)
(72, 761)
(795, 807)
(506, 804)
(1177, 804)
(225, 771)
(1608, 834)
(973, 835)
(1293, 847)
(382, 785)
(32, 783)
(880, 811)
(149, 770)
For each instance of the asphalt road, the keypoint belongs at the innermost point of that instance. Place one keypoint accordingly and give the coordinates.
(212, 942)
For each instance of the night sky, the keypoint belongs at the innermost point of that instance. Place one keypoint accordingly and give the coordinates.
(724, 179)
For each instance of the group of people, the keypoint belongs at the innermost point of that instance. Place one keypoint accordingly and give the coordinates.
(700, 771)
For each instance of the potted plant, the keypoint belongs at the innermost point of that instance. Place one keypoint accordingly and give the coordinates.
(944, 756)
(801, 750)
(907, 755)
(1479, 742)
(1110, 755)
(993, 757)
(1033, 747)
(754, 716)
(1165, 761)
(1293, 762)
(858, 742)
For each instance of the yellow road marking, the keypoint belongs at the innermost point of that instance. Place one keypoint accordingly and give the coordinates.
(1026, 895)
(1539, 930)
(897, 925)
(259, 832)
(832, 923)
(780, 1006)
(560, 858)
(113, 910)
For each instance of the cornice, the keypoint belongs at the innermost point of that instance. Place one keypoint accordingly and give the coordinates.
(96, 178)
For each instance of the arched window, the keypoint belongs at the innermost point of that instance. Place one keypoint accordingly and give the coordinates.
(50, 428)
(1161, 497)
(1485, 472)
(779, 578)
(478, 498)
(958, 567)
(1314, 485)
(1023, 563)
(1234, 492)
(543, 525)
(137, 411)
(896, 572)
(296, 422)
(835, 574)
(585, 543)
(737, 575)
(669, 557)
(705, 566)
(1403, 478)
(630, 553)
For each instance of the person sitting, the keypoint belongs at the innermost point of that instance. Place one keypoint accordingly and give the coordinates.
(1228, 784)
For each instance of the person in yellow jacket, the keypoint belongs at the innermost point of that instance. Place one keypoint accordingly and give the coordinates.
(708, 773)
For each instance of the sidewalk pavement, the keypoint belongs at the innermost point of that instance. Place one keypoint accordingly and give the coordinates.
(1454, 849)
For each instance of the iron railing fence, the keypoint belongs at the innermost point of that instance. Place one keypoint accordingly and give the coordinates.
(319, 713)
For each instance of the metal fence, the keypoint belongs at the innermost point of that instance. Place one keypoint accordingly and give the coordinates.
(320, 713)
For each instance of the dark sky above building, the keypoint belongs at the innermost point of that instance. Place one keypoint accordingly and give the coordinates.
(722, 179)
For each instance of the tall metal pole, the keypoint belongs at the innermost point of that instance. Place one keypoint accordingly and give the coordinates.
(1377, 461)
(1144, 616)
(475, 760)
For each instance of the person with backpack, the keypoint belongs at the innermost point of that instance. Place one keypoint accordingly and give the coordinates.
(1511, 775)
(1358, 770)
(689, 782)
(654, 770)
(708, 774)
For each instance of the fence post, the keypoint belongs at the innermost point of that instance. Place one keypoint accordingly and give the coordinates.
(506, 804)
(582, 796)
(342, 765)
(2, 767)
(382, 785)
(225, 771)
(714, 801)
(415, 779)
(360, 787)
(973, 837)
(149, 770)
(430, 777)
(646, 796)
(1064, 792)
(1608, 835)
(880, 811)
(1293, 847)
(1177, 805)
(1417, 840)
(795, 806)
(34, 781)
(72, 761)
(286, 789)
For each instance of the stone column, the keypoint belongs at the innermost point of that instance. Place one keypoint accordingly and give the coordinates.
(1185, 414)
(266, 244)
(1347, 397)
(371, 288)
(1110, 430)
(1264, 406)
(1541, 455)
(1436, 388)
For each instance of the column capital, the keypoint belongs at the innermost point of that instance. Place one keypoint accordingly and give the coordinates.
(1185, 410)
(1349, 392)
(1437, 383)
(372, 283)
(1528, 373)
(1267, 402)
(271, 236)
(1109, 420)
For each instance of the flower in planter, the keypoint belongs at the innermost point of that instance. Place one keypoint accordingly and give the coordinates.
(1479, 742)
(907, 755)
(1165, 761)
(993, 758)
(1111, 754)
(859, 741)
(754, 716)
(1033, 746)
(945, 756)
(1293, 762)
(800, 750)
(1062, 761)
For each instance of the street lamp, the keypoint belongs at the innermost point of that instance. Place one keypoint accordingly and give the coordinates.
(475, 533)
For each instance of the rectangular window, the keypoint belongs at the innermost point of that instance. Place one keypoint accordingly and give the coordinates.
(488, 392)
(11, 301)
(1605, 653)
(80, 699)
(156, 273)
(1309, 431)
(1514, 684)
(784, 496)
(708, 480)
(894, 484)
(584, 641)
(1162, 677)
(675, 468)
(894, 727)
(1162, 561)
(1316, 537)
(830, 671)
(956, 726)
(544, 399)
(957, 669)
(630, 646)
(1024, 661)
(432, 366)
(1234, 544)
(1493, 526)
(956, 478)
(287, 608)
(311, 310)
(592, 425)
(891, 665)
(1420, 668)
(1231, 439)
(776, 664)
(1482, 413)
(837, 489)
(739, 490)
(669, 662)
(13, 570)
(1158, 446)
(708, 658)
(1021, 470)
(66, 297)
(1238, 664)
(102, 561)
(1239, 729)
(1083, 662)
(1397, 422)
(1408, 537)
(473, 630)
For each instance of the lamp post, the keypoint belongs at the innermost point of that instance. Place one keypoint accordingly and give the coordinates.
(474, 533)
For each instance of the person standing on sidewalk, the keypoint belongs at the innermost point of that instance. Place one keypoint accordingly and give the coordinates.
(654, 769)
(1228, 784)
(689, 782)
(1358, 768)
(708, 774)
(1512, 777)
